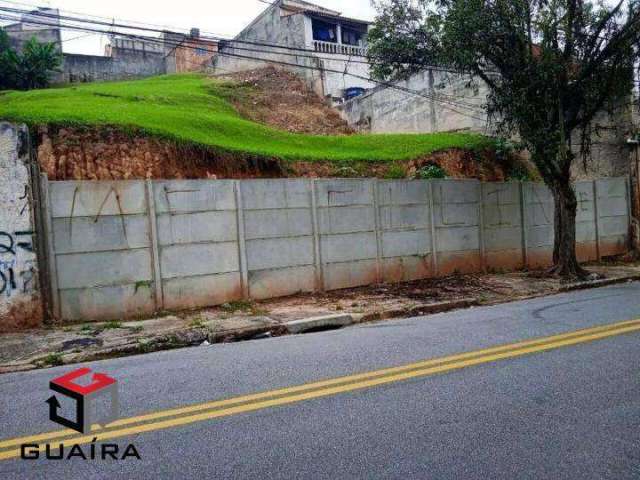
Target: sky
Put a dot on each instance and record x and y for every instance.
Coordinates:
(220, 17)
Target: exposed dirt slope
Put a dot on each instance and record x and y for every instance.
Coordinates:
(282, 100)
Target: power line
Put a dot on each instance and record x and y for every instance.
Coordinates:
(223, 41)
(110, 19)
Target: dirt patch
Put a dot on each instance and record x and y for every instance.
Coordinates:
(22, 315)
(282, 100)
(111, 154)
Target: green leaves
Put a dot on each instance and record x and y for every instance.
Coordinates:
(30, 68)
(550, 66)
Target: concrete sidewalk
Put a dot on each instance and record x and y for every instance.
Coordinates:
(58, 345)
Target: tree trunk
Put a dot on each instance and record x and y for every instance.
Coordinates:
(564, 250)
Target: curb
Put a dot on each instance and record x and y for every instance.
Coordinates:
(428, 309)
(314, 323)
(572, 287)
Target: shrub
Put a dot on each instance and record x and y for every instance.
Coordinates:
(431, 171)
(30, 68)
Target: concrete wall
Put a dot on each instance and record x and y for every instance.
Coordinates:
(18, 37)
(20, 302)
(394, 110)
(123, 65)
(123, 249)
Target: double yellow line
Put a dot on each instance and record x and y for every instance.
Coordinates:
(222, 408)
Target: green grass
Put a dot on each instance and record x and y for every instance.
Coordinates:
(53, 360)
(195, 109)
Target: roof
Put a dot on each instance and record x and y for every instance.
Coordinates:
(302, 6)
(336, 18)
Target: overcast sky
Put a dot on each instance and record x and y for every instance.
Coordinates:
(222, 17)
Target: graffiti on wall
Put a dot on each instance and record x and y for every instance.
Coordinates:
(16, 276)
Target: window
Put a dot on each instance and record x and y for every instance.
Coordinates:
(324, 31)
(202, 52)
(352, 36)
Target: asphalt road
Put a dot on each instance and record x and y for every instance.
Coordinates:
(563, 408)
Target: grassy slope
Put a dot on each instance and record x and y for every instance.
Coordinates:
(192, 108)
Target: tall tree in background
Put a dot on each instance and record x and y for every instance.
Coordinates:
(8, 61)
(31, 68)
(550, 65)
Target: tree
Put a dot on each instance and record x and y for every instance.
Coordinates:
(36, 63)
(8, 62)
(30, 68)
(550, 65)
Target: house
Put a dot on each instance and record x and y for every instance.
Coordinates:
(188, 53)
(125, 56)
(23, 31)
(322, 46)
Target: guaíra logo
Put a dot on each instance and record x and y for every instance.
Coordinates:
(84, 397)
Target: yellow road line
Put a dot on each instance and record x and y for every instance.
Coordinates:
(326, 388)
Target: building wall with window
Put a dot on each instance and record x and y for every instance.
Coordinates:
(314, 42)
(189, 53)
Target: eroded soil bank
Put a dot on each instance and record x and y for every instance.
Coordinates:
(83, 153)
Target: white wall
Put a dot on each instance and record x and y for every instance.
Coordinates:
(19, 293)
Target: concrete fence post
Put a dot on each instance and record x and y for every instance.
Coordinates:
(317, 250)
(434, 238)
(50, 249)
(154, 244)
(377, 222)
(481, 241)
(242, 246)
(629, 196)
(524, 222)
(596, 214)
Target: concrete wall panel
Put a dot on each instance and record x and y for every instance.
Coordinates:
(458, 239)
(86, 234)
(197, 228)
(101, 269)
(350, 247)
(278, 283)
(346, 220)
(201, 291)
(107, 303)
(93, 199)
(198, 259)
(402, 192)
(344, 193)
(276, 194)
(190, 196)
(350, 274)
(404, 217)
(406, 243)
(277, 223)
(279, 253)
(406, 269)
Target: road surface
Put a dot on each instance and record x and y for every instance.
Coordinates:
(545, 388)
